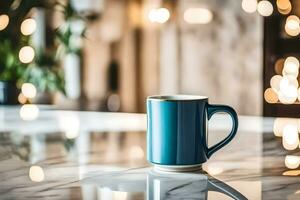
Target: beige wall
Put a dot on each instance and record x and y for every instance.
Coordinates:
(222, 59)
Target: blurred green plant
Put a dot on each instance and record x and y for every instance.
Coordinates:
(11, 41)
(69, 35)
(11, 68)
(44, 72)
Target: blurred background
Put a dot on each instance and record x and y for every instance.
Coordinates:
(109, 55)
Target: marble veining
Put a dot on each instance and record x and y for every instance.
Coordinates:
(97, 161)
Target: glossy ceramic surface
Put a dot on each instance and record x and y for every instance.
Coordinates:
(177, 129)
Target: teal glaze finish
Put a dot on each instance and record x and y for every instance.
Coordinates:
(177, 130)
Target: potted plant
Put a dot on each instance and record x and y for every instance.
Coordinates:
(11, 71)
(45, 74)
(69, 39)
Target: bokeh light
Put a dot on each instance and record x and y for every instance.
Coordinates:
(36, 173)
(70, 124)
(22, 99)
(275, 82)
(288, 87)
(29, 112)
(159, 15)
(291, 173)
(291, 66)
(288, 95)
(270, 96)
(292, 162)
(279, 66)
(4, 20)
(198, 16)
(26, 54)
(28, 90)
(284, 84)
(265, 8)
(28, 26)
(282, 123)
(292, 26)
(284, 6)
(249, 6)
(278, 126)
(290, 138)
(292, 81)
(285, 12)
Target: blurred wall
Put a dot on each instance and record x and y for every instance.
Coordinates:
(222, 59)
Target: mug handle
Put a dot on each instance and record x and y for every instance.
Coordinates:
(211, 110)
(219, 186)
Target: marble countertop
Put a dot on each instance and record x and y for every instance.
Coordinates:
(54, 154)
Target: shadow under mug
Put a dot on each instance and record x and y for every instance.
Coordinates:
(177, 131)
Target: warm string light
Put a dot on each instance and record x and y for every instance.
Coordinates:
(265, 8)
(190, 16)
(22, 99)
(287, 93)
(28, 26)
(271, 96)
(284, 86)
(284, 6)
(291, 67)
(197, 16)
(28, 90)
(275, 83)
(292, 26)
(26, 54)
(4, 20)
(159, 15)
(249, 6)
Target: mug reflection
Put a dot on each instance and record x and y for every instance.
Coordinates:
(146, 183)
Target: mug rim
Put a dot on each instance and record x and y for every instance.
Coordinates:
(177, 97)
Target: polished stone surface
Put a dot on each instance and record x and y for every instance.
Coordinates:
(86, 155)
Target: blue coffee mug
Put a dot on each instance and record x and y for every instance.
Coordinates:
(177, 131)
